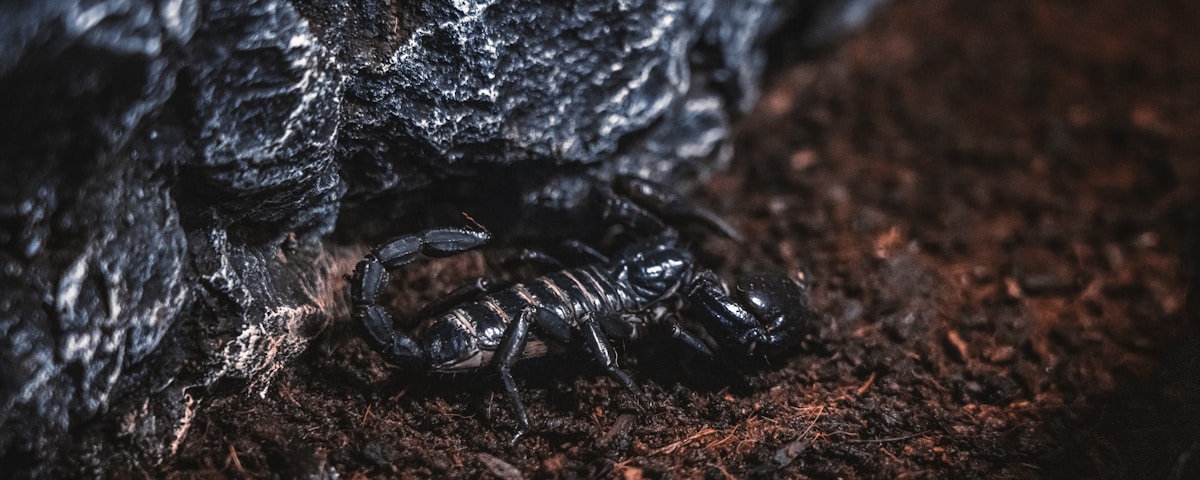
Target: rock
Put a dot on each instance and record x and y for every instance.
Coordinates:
(173, 169)
(93, 249)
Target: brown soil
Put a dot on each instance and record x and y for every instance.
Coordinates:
(991, 200)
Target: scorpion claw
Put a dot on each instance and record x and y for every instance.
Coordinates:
(766, 313)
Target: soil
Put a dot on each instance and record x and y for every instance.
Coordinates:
(991, 201)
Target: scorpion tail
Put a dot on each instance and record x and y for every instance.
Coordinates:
(396, 347)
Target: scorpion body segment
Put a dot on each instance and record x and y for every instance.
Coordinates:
(650, 282)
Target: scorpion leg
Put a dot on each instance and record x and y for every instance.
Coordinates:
(479, 287)
(570, 253)
(769, 311)
(529, 263)
(509, 351)
(679, 333)
(670, 205)
(513, 344)
(604, 354)
(580, 253)
(620, 210)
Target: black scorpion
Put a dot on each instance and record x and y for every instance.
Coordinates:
(597, 299)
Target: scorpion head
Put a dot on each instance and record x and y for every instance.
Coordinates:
(657, 272)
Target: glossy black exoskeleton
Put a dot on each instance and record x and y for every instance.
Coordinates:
(589, 300)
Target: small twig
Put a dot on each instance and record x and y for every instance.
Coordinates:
(474, 223)
(674, 446)
(720, 442)
(883, 440)
(1042, 408)
(890, 454)
(820, 411)
(866, 385)
(287, 393)
(365, 414)
(233, 457)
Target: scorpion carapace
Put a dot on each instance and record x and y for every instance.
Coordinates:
(589, 300)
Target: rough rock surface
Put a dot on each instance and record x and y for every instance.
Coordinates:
(171, 168)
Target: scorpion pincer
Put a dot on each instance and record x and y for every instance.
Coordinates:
(648, 283)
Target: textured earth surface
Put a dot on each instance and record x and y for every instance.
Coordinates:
(992, 201)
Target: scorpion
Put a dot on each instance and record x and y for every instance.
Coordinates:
(588, 301)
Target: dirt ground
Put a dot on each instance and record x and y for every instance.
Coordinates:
(991, 200)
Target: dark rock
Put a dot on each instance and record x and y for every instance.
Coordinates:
(92, 248)
(173, 166)
(261, 99)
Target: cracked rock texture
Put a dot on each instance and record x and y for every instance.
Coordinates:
(173, 170)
